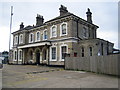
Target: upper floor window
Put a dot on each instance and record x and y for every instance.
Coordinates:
(16, 40)
(54, 31)
(21, 38)
(37, 36)
(31, 37)
(63, 29)
(85, 32)
(45, 35)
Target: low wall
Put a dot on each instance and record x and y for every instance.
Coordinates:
(99, 64)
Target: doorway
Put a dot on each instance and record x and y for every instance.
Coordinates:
(38, 57)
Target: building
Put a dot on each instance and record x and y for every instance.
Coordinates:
(49, 42)
(4, 57)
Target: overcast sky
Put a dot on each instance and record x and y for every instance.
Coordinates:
(104, 14)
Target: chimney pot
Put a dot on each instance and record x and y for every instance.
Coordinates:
(89, 16)
(63, 10)
(39, 20)
(21, 25)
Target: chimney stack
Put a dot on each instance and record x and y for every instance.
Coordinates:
(63, 10)
(39, 20)
(21, 25)
(89, 16)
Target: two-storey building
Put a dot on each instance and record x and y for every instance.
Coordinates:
(49, 42)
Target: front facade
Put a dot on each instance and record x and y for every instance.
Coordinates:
(48, 43)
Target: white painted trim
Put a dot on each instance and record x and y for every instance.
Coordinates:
(30, 38)
(15, 41)
(64, 38)
(61, 53)
(19, 55)
(43, 34)
(51, 31)
(51, 53)
(14, 55)
(20, 42)
(61, 29)
(34, 45)
(36, 36)
(85, 30)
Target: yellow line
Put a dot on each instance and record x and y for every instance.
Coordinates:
(26, 81)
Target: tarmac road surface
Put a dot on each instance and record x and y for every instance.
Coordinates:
(28, 76)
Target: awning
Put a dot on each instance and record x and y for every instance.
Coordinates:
(34, 45)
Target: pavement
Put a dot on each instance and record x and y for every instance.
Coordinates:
(31, 76)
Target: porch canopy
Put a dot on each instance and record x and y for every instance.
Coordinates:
(34, 45)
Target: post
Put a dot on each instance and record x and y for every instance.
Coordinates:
(10, 31)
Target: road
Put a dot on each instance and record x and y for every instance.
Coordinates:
(28, 76)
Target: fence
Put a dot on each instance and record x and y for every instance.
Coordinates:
(99, 64)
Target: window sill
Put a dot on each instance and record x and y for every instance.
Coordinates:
(53, 60)
(62, 60)
(63, 35)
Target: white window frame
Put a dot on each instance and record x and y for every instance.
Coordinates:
(51, 36)
(44, 33)
(30, 38)
(19, 55)
(51, 53)
(20, 41)
(39, 36)
(61, 29)
(61, 51)
(14, 55)
(16, 40)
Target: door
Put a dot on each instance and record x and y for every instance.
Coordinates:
(37, 58)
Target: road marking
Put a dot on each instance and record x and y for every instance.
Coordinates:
(26, 81)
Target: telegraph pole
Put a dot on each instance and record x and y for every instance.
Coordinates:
(10, 29)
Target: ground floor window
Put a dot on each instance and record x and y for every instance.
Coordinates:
(82, 52)
(63, 51)
(20, 55)
(15, 55)
(53, 49)
(90, 51)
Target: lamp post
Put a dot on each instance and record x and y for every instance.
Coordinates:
(10, 30)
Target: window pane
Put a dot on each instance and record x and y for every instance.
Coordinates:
(31, 37)
(15, 55)
(53, 31)
(45, 34)
(20, 38)
(82, 52)
(90, 51)
(54, 53)
(16, 39)
(63, 51)
(38, 35)
(20, 55)
(64, 29)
